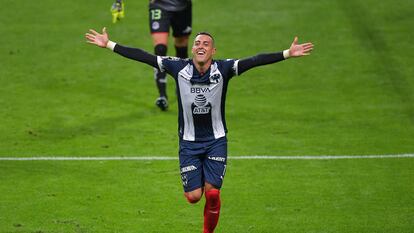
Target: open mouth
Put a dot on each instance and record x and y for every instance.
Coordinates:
(201, 52)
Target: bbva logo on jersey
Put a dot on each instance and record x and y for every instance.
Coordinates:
(199, 90)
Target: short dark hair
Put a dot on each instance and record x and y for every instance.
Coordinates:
(206, 34)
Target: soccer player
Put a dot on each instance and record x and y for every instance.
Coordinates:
(201, 84)
(164, 14)
(117, 10)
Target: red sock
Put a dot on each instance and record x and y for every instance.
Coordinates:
(211, 210)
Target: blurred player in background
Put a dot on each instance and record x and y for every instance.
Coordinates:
(117, 10)
(201, 93)
(164, 14)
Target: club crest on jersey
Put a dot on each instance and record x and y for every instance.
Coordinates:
(215, 78)
(200, 105)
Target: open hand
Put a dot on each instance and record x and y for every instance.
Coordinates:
(96, 38)
(298, 50)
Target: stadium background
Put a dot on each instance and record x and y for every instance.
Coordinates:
(353, 96)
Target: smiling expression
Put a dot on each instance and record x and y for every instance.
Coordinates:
(203, 49)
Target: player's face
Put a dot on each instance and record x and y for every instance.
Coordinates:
(203, 49)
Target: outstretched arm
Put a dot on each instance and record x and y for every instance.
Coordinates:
(295, 50)
(298, 50)
(96, 38)
(102, 40)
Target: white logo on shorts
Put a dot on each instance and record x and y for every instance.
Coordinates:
(184, 179)
(187, 30)
(155, 25)
(188, 168)
(219, 159)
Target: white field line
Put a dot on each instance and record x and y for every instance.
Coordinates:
(251, 157)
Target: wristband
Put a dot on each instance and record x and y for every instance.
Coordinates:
(286, 54)
(110, 45)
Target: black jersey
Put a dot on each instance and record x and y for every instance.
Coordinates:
(170, 5)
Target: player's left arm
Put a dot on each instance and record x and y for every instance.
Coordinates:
(102, 40)
(295, 50)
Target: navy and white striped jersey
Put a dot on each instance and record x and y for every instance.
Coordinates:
(201, 98)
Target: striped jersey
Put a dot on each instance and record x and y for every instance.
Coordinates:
(201, 97)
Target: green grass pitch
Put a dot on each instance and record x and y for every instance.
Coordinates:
(353, 96)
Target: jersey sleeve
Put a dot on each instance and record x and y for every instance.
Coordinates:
(136, 54)
(246, 64)
(171, 65)
(229, 68)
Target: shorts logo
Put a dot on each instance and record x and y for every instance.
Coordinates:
(200, 105)
(184, 179)
(187, 30)
(155, 25)
(215, 158)
(188, 168)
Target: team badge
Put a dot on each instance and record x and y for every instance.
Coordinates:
(215, 78)
(155, 25)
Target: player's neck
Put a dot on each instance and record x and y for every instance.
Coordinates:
(202, 67)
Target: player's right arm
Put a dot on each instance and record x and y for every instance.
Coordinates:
(102, 40)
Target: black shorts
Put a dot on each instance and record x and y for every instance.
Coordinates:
(160, 21)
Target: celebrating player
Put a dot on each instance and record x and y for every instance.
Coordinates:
(201, 92)
(164, 14)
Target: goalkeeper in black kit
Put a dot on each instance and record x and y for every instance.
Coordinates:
(201, 84)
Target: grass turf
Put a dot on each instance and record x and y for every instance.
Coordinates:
(361, 195)
(61, 96)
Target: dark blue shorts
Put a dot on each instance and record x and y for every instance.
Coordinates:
(203, 162)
